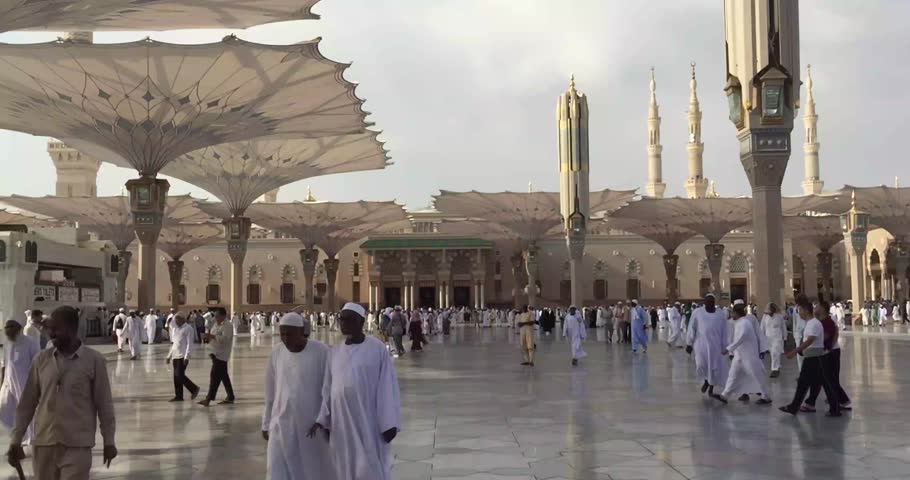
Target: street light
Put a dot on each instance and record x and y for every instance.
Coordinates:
(762, 87)
(855, 226)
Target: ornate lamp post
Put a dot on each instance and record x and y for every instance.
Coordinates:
(763, 83)
(148, 197)
(855, 225)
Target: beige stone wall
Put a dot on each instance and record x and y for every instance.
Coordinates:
(614, 258)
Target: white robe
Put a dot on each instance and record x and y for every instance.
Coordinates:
(775, 331)
(676, 338)
(17, 359)
(360, 401)
(747, 372)
(32, 331)
(708, 336)
(662, 317)
(293, 397)
(486, 318)
(573, 328)
(151, 326)
(133, 330)
(799, 326)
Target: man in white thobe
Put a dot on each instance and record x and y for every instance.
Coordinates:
(573, 328)
(18, 353)
(151, 326)
(119, 324)
(676, 337)
(775, 330)
(32, 329)
(133, 330)
(293, 397)
(747, 372)
(361, 405)
(662, 317)
(707, 337)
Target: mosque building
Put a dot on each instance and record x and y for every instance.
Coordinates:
(431, 267)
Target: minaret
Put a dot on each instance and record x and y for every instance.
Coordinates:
(697, 184)
(812, 183)
(572, 125)
(77, 173)
(655, 187)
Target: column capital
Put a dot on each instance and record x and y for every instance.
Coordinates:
(237, 234)
(764, 153)
(148, 198)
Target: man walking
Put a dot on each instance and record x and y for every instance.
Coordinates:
(361, 403)
(221, 338)
(574, 330)
(183, 336)
(67, 390)
(18, 354)
(397, 326)
(526, 339)
(294, 383)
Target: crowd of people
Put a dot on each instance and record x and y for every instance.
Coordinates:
(312, 389)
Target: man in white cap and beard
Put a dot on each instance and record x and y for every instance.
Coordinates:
(361, 404)
(293, 397)
(119, 326)
(707, 337)
(19, 351)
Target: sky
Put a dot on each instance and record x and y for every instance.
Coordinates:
(465, 93)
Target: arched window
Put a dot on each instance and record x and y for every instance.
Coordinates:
(115, 263)
(31, 252)
(213, 289)
(601, 291)
(356, 269)
(288, 275)
(2, 251)
(739, 264)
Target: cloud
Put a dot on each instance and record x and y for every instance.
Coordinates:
(465, 91)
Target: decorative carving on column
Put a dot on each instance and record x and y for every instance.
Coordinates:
(308, 258)
(237, 235)
(331, 275)
(175, 272)
(715, 254)
(124, 258)
(147, 200)
(671, 264)
(855, 225)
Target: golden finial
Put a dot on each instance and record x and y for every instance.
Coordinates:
(853, 199)
(530, 187)
(653, 81)
(692, 64)
(897, 182)
(309, 196)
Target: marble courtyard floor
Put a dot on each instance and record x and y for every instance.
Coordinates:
(472, 413)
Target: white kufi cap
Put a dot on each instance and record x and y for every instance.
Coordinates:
(292, 320)
(738, 301)
(356, 308)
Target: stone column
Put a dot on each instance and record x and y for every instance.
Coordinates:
(308, 257)
(762, 85)
(237, 234)
(825, 270)
(124, 257)
(575, 241)
(370, 297)
(901, 262)
(331, 275)
(175, 272)
(857, 279)
(448, 298)
(531, 264)
(671, 262)
(483, 294)
(148, 197)
(519, 277)
(715, 255)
